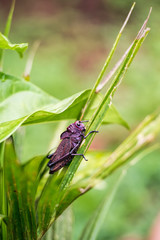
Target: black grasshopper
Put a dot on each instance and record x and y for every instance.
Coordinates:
(68, 147)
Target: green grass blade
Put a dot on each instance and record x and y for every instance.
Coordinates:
(21, 218)
(143, 135)
(7, 30)
(9, 19)
(100, 76)
(3, 199)
(93, 226)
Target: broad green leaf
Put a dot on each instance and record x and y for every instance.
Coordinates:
(19, 98)
(6, 44)
(21, 218)
(22, 103)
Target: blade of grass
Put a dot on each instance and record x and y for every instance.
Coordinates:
(142, 136)
(111, 73)
(3, 199)
(93, 226)
(21, 217)
(6, 31)
(9, 19)
(100, 76)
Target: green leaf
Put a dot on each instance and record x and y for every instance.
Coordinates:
(21, 218)
(35, 169)
(19, 98)
(6, 44)
(22, 103)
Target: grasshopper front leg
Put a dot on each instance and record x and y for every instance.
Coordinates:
(90, 133)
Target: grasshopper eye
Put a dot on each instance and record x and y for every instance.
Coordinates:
(78, 124)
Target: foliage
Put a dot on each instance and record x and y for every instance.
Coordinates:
(32, 200)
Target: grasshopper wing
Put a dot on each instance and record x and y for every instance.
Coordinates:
(61, 156)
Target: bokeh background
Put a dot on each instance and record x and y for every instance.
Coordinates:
(75, 38)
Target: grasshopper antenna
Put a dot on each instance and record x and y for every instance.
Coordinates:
(84, 121)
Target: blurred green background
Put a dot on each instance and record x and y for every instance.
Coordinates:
(75, 38)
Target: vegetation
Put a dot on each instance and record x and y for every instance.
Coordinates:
(33, 203)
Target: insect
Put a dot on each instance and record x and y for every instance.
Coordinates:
(68, 147)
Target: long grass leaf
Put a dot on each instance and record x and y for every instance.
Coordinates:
(21, 218)
(100, 76)
(7, 30)
(3, 199)
(93, 226)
